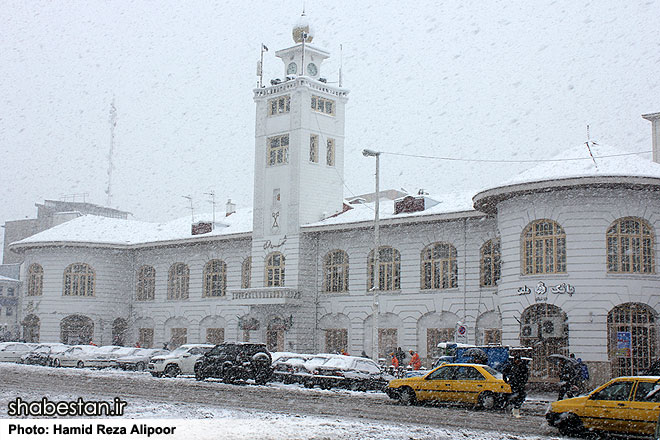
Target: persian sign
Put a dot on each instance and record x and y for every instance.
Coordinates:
(541, 290)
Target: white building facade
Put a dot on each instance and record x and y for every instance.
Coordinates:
(563, 262)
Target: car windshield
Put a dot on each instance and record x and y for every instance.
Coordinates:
(222, 349)
(316, 361)
(43, 349)
(180, 350)
(108, 349)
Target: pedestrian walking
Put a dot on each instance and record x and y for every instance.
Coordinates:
(395, 361)
(415, 361)
(400, 355)
(569, 377)
(516, 374)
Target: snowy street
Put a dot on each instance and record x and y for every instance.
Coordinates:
(284, 411)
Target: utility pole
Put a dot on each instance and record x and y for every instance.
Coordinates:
(376, 286)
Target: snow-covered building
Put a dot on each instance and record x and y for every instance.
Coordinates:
(562, 258)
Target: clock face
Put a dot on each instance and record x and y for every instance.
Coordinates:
(291, 69)
(312, 70)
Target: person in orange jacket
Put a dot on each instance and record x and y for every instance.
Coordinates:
(395, 361)
(415, 361)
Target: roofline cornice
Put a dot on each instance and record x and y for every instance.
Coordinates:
(486, 201)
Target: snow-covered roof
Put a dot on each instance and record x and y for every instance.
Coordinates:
(8, 279)
(113, 231)
(449, 203)
(575, 167)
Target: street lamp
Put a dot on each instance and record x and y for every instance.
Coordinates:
(376, 286)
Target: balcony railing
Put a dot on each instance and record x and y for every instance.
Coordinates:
(267, 295)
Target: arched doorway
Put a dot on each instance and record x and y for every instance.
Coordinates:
(632, 337)
(31, 325)
(543, 327)
(277, 326)
(76, 329)
(119, 327)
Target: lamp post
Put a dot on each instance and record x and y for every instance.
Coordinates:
(376, 274)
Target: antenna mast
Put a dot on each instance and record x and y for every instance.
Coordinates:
(341, 62)
(113, 124)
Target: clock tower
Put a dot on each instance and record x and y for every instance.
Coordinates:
(299, 160)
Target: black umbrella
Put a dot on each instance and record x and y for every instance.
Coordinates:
(477, 355)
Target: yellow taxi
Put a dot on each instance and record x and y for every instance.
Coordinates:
(625, 405)
(474, 384)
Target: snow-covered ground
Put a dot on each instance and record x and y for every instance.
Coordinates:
(195, 421)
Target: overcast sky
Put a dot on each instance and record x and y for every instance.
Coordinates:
(494, 79)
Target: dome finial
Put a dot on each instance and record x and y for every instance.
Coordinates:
(302, 27)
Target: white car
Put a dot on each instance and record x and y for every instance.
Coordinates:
(285, 365)
(106, 356)
(13, 351)
(75, 356)
(139, 359)
(180, 361)
(352, 372)
(41, 354)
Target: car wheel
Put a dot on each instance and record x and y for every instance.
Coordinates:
(80, 364)
(309, 384)
(171, 370)
(199, 375)
(407, 396)
(139, 366)
(154, 374)
(56, 363)
(487, 400)
(570, 425)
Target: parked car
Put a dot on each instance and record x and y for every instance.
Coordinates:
(139, 359)
(74, 356)
(473, 384)
(304, 373)
(12, 351)
(356, 373)
(285, 365)
(236, 361)
(105, 356)
(624, 406)
(42, 354)
(179, 361)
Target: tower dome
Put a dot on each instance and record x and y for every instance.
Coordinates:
(302, 26)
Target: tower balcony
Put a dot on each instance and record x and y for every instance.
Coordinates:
(300, 81)
(267, 295)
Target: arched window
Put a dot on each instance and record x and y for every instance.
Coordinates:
(79, 280)
(275, 270)
(35, 282)
(76, 329)
(335, 269)
(544, 248)
(490, 263)
(632, 336)
(630, 246)
(146, 284)
(177, 285)
(246, 273)
(215, 278)
(389, 263)
(544, 328)
(439, 269)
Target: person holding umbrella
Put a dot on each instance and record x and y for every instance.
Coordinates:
(516, 374)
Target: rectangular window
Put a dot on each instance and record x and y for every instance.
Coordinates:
(278, 150)
(10, 291)
(146, 337)
(215, 335)
(330, 153)
(179, 337)
(314, 148)
(323, 105)
(278, 106)
(336, 340)
(10, 311)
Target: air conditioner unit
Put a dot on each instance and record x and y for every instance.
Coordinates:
(529, 331)
(553, 327)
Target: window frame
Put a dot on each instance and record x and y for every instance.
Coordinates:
(330, 152)
(392, 269)
(81, 283)
(278, 154)
(335, 273)
(35, 282)
(215, 268)
(319, 104)
(490, 256)
(246, 272)
(436, 277)
(314, 148)
(145, 290)
(279, 105)
(615, 249)
(274, 275)
(534, 256)
(178, 284)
